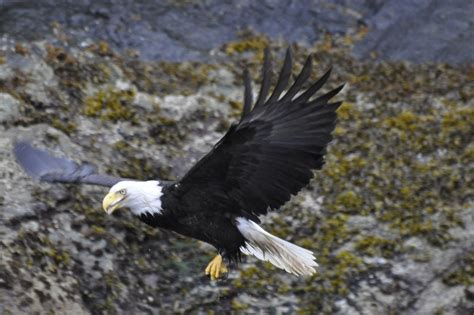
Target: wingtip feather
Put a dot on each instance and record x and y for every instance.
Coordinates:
(283, 78)
(300, 80)
(314, 88)
(266, 78)
(247, 94)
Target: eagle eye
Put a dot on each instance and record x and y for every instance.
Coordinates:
(122, 191)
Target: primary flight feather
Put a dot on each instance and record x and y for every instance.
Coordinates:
(263, 159)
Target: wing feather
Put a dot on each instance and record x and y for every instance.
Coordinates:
(283, 79)
(300, 80)
(323, 99)
(314, 88)
(247, 94)
(271, 153)
(267, 78)
(45, 167)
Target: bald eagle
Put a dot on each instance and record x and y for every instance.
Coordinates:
(263, 159)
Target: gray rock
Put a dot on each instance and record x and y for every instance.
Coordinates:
(9, 108)
(61, 253)
(469, 291)
(420, 31)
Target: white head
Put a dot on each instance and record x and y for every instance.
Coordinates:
(139, 196)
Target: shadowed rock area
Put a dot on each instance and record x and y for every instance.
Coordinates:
(419, 31)
(143, 90)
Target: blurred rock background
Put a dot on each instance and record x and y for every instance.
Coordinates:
(144, 88)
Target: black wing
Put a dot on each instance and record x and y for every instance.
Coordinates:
(45, 167)
(270, 154)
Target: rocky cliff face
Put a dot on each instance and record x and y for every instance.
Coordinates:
(390, 217)
(420, 31)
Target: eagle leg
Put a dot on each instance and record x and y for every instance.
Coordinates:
(216, 268)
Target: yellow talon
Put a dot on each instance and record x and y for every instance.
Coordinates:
(216, 268)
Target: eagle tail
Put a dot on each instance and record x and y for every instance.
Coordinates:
(282, 254)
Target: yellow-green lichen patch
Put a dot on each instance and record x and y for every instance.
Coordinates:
(398, 159)
(39, 252)
(239, 306)
(248, 42)
(327, 234)
(393, 168)
(397, 170)
(236, 108)
(346, 266)
(253, 273)
(101, 48)
(348, 201)
(334, 280)
(373, 245)
(333, 232)
(165, 78)
(463, 273)
(134, 165)
(66, 127)
(347, 111)
(112, 288)
(111, 105)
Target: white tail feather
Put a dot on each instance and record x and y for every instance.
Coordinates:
(280, 253)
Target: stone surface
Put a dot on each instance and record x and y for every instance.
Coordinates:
(390, 217)
(420, 31)
(9, 108)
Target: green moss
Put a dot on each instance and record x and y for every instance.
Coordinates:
(111, 105)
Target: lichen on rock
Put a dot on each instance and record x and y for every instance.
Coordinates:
(389, 217)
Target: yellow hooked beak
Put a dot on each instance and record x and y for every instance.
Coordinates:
(112, 201)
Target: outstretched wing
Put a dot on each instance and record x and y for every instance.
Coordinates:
(45, 167)
(270, 153)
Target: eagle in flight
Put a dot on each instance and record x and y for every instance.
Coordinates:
(263, 159)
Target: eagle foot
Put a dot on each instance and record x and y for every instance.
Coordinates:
(216, 268)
